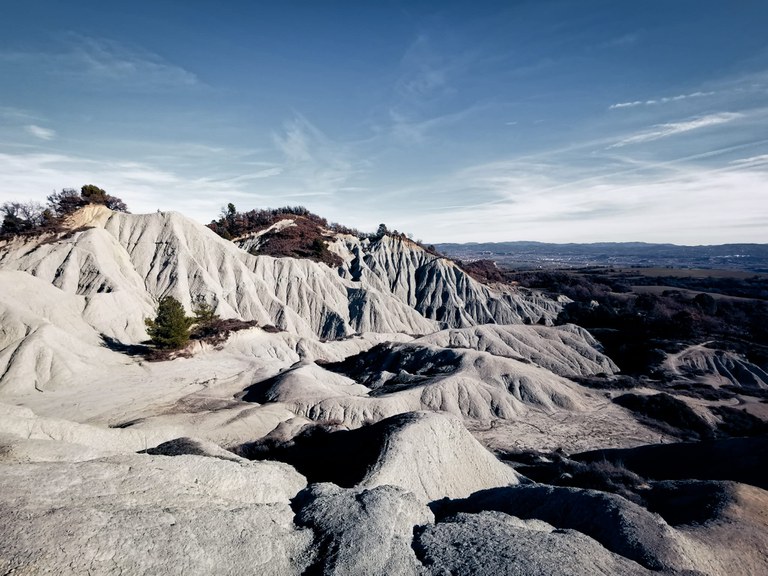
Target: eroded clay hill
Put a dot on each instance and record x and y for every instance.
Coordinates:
(331, 437)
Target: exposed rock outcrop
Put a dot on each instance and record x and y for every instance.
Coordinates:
(568, 351)
(124, 262)
(492, 544)
(44, 341)
(716, 367)
(466, 383)
(144, 514)
(616, 523)
(431, 455)
(437, 287)
(362, 531)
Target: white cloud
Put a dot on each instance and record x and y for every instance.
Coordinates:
(100, 60)
(627, 104)
(266, 173)
(314, 162)
(424, 71)
(111, 60)
(144, 187)
(655, 101)
(17, 114)
(414, 132)
(622, 41)
(760, 160)
(294, 142)
(673, 128)
(691, 200)
(691, 206)
(40, 132)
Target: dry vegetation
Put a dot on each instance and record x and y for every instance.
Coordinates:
(637, 329)
(33, 218)
(483, 271)
(307, 237)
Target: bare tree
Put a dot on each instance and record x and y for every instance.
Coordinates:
(20, 217)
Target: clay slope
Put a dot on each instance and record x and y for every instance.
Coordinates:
(716, 367)
(568, 351)
(415, 494)
(485, 385)
(122, 264)
(431, 455)
(393, 378)
(44, 342)
(139, 514)
(436, 286)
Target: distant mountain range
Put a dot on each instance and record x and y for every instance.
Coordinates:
(747, 257)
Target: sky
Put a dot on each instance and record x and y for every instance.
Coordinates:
(554, 121)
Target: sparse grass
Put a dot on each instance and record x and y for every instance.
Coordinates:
(738, 422)
(218, 331)
(483, 270)
(164, 355)
(668, 411)
(558, 470)
(305, 239)
(605, 476)
(618, 382)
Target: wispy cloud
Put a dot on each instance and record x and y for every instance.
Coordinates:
(686, 203)
(294, 141)
(621, 41)
(40, 132)
(425, 72)
(103, 60)
(109, 59)
(266, 173)
(424, 82)
(414, 132)
(674, 128)
(663, 100)
(422, 100)
(314, 162)
(30, 176)
(752, 161)
(10, 113)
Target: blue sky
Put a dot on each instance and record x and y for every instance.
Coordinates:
(543, 120)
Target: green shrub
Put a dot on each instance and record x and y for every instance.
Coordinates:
(170, 328)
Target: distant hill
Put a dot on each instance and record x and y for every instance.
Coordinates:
(746, 257)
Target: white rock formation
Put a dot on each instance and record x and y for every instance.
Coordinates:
(568, 351)
(45, 343)
(124, 263)
(716, 367)
(430, 455)
(410, 377)
(369, 531)
(141, 514)
(433, 456)
(436, 286)
(76, 498)
(18, 423)
(489, 544)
